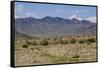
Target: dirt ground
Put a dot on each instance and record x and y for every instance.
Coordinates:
(53, 54)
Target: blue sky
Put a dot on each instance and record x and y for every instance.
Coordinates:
(23, 9)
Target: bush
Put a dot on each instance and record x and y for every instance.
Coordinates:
(88, 43)
(81, 41)
(31, 42)
(34, 43)
(55, 39)
(73, 41)
(76, 56)
(64, 42)
(91, 40)
(28, 42)
(54, 42)
(44, 43)
(25, 46)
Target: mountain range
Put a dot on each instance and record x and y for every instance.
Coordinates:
(53, 26)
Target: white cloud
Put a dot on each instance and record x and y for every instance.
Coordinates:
(92, 19)
(75, 16)
(29, 14)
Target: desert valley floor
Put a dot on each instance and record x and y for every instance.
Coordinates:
(38, 51)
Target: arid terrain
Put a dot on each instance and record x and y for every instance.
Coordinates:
(53, 34)
(66, 49)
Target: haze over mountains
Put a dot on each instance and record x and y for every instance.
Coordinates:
(54, 26)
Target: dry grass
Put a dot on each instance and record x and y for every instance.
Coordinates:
(67, 49)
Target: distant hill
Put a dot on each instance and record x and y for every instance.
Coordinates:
(53, 26)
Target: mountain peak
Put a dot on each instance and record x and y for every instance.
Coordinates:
(47, 17)
(75, 17)
(75, 21)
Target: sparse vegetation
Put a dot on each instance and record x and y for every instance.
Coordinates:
(91, 40)
(34, 51)
(25, 46)
(72, 41)
(64, 42)
(44, 42)
(82, 41)
(34, 43)
(88, 43)
(76, 56)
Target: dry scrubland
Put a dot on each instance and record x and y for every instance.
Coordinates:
(67, 49)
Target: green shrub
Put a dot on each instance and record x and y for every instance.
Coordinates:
(32, 48)
(88, 43)
(91, 40)
(64, 42)
(28, 43)
(54, 43)
(35, 61)
(34, 43)
(55, 39)
(25, 46)
(44, 43)
(72, 41)
(76, 56)
(81, 41)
